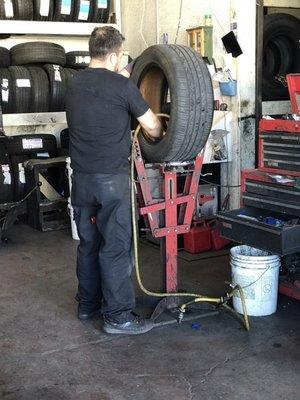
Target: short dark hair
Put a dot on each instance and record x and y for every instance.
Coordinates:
(105, 40)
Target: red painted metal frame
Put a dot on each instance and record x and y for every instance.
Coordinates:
(175, 223)
(290, 289)
(293, 81)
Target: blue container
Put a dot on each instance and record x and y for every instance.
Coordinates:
(228, 88)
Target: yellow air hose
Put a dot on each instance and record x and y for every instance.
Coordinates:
(222, 301)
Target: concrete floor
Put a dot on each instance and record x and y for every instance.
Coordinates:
(46, 353)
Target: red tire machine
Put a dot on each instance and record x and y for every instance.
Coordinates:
(270, 219)
(165, 221)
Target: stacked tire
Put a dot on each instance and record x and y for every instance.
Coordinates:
(56, 10)
(14, 151)
(281, 54)
(34, 76)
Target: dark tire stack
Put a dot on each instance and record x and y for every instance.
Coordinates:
(281, 54)
(37, 79)
(178, 73)
(23, 147)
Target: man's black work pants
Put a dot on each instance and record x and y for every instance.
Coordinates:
(103, 217)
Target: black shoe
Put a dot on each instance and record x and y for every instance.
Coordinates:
(135, 326)
(84, 314)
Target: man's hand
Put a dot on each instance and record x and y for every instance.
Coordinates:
(151, 124)
(128, 69)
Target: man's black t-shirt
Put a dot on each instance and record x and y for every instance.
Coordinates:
(99, 105)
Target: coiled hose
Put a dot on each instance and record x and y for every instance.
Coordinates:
(221, 301)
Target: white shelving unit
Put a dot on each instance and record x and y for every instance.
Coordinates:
(34, 119)
(61, 33)
(49, 28)
(282, 3)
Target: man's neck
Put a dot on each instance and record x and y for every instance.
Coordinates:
(95, 63)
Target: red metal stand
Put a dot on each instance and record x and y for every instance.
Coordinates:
(177, 208)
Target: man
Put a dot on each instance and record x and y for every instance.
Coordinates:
(99, 106)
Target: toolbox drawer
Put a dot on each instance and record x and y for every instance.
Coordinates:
(242, 229)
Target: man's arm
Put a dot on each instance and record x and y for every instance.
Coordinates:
(151, 124)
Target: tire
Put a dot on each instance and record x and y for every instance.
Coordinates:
(38, 52)
(78, 59)
(40, 89)
(58, 9)
(6, 90)
(21, 89)
(101, 14)
(83, 13)
(6, 181)
(40, 143)
(23, 9)
(4, 57)
(23, 147)
(41, 6)
(181, 72)
(58, 85)
(65, 142)
(281, 53)
(6, 10)
(69, 73)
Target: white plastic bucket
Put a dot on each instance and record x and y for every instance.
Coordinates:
(257, 272)
(73, 224)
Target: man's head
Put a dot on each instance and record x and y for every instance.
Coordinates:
(106, 46)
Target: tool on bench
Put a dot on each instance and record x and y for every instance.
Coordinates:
(162, 218)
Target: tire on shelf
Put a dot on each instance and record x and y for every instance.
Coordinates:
(176, 77)
(65, 142)
(83, 10)
(23, 147)
(58, 85)
(6, 10)
(101, 14)
(6, 90)
(63, 10)
(281, 53)
(40, 89)
(21, 89)
(78, 59)
(23, 10)
(31, 144)
(6, 181)
(43, 10)
(4, 57)
(38, 52)
(69, 73)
